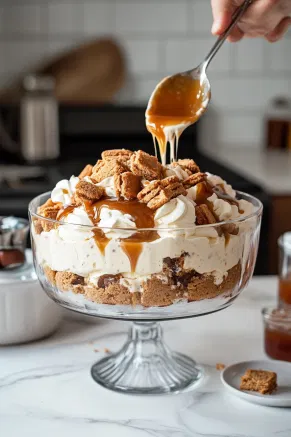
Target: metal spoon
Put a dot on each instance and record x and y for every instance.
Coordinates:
(174, 84)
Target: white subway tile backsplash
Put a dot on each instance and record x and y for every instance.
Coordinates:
(144, 88)
(142, 55)
(22, 18)
(200, 18)
(279, 56)
(159, 37)
(247, 93)
(240, 129)
(65, 18)
(3, 66)
(158, 17)
(249, 55)
(138, 89)
(59, 46)
(99, 17)
(24, 56)
(183, 54)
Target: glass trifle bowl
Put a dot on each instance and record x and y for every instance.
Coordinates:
(144, 274)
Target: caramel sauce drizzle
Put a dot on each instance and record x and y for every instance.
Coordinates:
(64, 212)
(176, 104)
(142, 215)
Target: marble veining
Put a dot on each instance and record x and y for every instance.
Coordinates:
(46, 388)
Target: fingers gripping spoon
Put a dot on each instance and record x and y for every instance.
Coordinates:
(180, 100)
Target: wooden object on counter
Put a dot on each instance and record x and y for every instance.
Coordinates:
(90, 73)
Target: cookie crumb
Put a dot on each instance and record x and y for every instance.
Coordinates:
(262, 381)
(220, 366)
(204, 216)
(87, 171)
(145, 165)
(85, 191)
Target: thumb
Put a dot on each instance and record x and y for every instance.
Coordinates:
(222, 11)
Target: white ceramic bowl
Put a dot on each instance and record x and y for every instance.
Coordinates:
(26, 313)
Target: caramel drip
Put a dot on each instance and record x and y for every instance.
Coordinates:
(100, 239)
(177, 103)
(132, 246)
(221, 194)
(142, 215)
(227, 238)
(133, 251)
(204, 190)
(64, 212)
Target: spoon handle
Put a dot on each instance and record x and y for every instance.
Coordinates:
(236, 16)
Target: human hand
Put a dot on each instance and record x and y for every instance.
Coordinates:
(264, 18)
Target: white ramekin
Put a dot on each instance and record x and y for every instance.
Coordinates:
(26, 313)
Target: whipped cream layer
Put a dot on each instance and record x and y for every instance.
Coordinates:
(83, 257)
(72, 246)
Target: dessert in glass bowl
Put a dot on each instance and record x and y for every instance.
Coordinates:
(131, 238)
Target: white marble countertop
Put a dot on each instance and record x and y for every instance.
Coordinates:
(269, 169)
(46, 388)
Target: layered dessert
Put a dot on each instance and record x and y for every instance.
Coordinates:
(131, 231)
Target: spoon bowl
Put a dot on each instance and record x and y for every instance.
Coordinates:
(180, 100)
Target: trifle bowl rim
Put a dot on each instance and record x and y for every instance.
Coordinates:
(242, 219)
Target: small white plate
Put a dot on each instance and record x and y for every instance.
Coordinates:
(230, 378)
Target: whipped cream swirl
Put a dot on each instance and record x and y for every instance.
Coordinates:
(75, 226)
(64, 190)
(176, 170)
(217, 180)
(178, 213)
(108, 185)
(111, 220)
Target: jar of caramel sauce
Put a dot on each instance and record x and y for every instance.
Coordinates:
(284, 295)
(277, 333)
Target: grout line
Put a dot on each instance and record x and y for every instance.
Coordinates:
(232, 57)
(189, 16)
(266, 58)
(162, 57)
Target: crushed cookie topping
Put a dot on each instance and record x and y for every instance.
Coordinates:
(144, 165)
(157, 193)
(48, 210)
(187, 164)
(85, 191)
(204, 216)
(116, 154)
(137, 176)
(86, 172)
(194, 179)
(127, 185)
(105, 169)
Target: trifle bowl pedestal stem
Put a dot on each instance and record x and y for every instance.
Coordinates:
(145, 365)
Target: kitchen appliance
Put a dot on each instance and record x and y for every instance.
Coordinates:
(39, 119)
